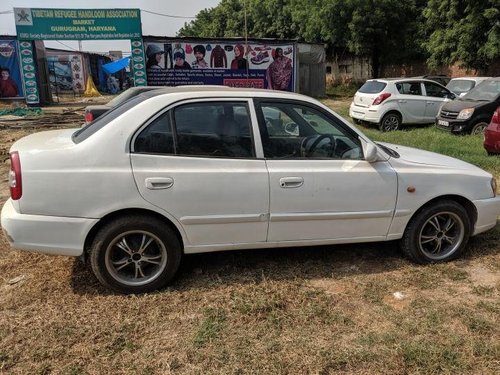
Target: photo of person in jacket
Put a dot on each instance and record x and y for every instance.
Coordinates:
(154, 54)
(239, 61)
(218, 58)
(8, 87)
(199, 54)
(180, 59)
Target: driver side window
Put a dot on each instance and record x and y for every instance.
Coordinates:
(295, 131)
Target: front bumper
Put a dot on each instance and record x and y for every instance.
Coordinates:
(488, 211)
(454, 126)
(45, 234)
(367, 114)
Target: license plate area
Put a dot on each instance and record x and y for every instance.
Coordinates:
(443, 123)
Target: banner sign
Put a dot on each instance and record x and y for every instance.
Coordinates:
(138, 62)
(29, 72)
(11, 84)
(77, 24)
(66, 73)
(230, 63)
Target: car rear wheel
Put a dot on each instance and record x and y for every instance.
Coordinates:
(479, 128)
(438, 233)
(390, 122)
(136, 254)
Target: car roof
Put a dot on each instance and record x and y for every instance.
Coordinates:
(471, 78)
(405, 79)
(220, 90)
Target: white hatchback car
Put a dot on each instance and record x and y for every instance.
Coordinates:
(391, 102)
(461, 86)
(191, 170)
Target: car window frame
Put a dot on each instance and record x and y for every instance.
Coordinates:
(171, 107)
(448, 92)
(420, 83)
(261, 125)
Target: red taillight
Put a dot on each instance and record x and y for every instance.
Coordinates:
(15, 181)
(495, 120)
(379, 99)
(89, 117)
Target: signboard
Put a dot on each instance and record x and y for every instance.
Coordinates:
(61, 24)
(138, 62)
(10, 75)
(230, 63)
(29, 72)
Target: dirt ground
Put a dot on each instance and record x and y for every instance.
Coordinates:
(352, 309)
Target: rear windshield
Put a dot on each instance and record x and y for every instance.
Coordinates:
(487, 90)
(460, 85)
(372, 87)
(85, 132)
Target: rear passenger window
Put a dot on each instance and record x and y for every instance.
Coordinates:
(409, 88)
(216, 129)
(157, 137)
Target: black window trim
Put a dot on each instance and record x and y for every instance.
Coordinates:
(171, 107)
(261, 122)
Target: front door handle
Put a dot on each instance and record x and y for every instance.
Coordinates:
(430, 103)
(291, 182)
(401, 101)
(158, 183)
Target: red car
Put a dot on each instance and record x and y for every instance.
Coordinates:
(492, 134)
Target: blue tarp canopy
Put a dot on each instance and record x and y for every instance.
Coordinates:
(116, 66)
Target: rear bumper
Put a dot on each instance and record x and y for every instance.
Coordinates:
(45, 234)
(491, 141)
(368, 114)
(488, 211)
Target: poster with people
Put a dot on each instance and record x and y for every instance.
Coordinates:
(11, 86)
(229, 63)
(66, 72)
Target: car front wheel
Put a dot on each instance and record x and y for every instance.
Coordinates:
(390, 122)
(479, 128)
(437, 233)
(135, 254)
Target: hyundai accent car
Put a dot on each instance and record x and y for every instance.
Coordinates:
(192, 170)
(392, 102)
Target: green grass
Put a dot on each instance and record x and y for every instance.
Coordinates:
(467, 148)
(346, 90)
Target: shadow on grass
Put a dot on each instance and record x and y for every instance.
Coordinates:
(211, 270)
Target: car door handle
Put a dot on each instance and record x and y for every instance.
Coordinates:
(431, 103)
(401, 101)
(158, 183)
(291, 182)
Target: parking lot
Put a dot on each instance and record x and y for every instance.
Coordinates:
(319, 310)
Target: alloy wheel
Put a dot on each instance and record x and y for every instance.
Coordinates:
(441, 235)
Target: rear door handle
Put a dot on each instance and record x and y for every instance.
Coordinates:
(158, 183)
(401, 101)
(291, 182)
(432, 103)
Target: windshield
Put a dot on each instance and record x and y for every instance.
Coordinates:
(486, 91)
(459, 86)
(372, 87)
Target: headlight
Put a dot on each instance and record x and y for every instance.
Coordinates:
(465, 114)
(494, 186)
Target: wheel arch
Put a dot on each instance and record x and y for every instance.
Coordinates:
(395, 111)
(464, 202)
(128, 212)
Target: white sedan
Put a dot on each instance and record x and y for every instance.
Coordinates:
(190, 169)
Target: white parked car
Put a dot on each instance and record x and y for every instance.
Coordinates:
(461, 86)
(391, 102)
(190, 170)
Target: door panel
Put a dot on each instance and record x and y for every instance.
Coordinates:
(337, 199)
(411, 101)
(197, 162)
(435, 95)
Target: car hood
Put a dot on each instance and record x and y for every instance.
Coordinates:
(458, 104)
(417, 156)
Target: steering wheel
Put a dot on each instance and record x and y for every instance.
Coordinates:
(315, 144)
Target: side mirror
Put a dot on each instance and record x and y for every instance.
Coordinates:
(370, 151)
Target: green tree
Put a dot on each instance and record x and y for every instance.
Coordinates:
(463, 31)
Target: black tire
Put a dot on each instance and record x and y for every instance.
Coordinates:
(444, 223)
(478, 129)
(136, 254)
(356, 121)
(390, 122)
